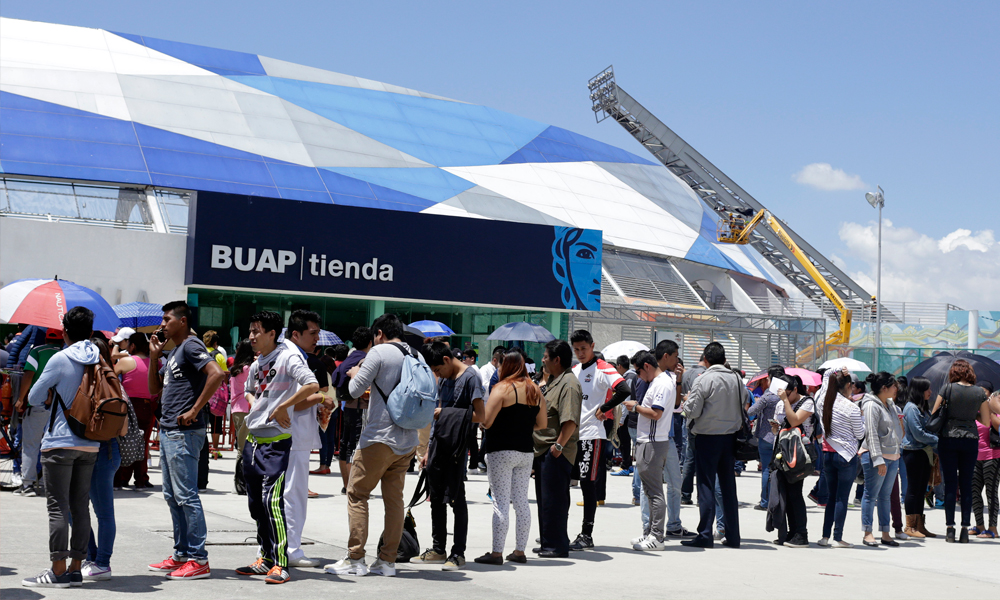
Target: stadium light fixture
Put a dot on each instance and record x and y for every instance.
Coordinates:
(877, 200)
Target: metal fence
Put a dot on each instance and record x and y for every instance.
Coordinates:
(752, 341)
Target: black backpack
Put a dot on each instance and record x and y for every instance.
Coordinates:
(409, 545)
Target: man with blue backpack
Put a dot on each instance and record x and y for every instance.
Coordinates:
(403, 399)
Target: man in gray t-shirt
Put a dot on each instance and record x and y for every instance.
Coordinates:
(383, 454)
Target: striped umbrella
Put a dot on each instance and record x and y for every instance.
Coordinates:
(43, 302)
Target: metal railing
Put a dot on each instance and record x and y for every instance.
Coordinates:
(918, 313)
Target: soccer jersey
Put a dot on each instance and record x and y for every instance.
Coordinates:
(38, 358)
(596, 381)
(660, 396)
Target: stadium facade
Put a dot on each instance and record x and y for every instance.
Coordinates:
(141, 167)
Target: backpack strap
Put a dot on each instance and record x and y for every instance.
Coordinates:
(385, 397)
(52, 417)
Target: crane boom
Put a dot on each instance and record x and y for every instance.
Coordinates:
(717, 190)
(733, 230)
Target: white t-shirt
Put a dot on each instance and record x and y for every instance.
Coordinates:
(660, 396)
(596, 381)
(486, 373)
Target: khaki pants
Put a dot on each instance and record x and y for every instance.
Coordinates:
(374, 464)
(424, 439)
(239, 425)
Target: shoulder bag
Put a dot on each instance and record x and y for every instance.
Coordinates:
(935, 424)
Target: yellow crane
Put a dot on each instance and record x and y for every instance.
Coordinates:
(737, 227)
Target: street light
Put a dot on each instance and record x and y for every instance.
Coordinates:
(877, 200)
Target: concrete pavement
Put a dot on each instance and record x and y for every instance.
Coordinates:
(929, 569)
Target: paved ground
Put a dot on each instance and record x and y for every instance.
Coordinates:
(930, 569)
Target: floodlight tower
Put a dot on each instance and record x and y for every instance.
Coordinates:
(877, 200)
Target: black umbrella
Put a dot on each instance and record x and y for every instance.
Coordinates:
(936, 369)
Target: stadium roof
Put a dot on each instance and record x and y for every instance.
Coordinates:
(90, 104)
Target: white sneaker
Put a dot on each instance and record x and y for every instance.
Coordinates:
(824, 542)
(385, 569)
(650, 544)
(348, 566)
(92, 572)
(843, 544)
(720, 535)
(16, 480)
(303, 561)
(901, 536)
(638, 540)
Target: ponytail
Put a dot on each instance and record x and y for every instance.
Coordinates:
(837, 382)
(880, 381)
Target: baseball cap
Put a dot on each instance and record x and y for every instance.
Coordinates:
(53, 334)
(123, 334)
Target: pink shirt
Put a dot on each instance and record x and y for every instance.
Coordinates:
(237, 385)
(985, 452)
(136, 382)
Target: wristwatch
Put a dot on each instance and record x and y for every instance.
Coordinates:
(558, 446)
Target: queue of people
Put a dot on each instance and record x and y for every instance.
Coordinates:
(557, 425)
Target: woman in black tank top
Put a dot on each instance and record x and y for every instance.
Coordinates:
(514, 410)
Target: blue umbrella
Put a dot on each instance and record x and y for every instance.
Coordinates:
(139, 314)
(523, 332)
(432, 328)
(326, 338)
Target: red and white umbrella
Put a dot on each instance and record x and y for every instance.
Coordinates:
(44, 302)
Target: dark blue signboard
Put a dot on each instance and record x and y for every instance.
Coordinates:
(287, 245)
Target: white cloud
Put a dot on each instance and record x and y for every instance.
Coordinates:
(980, 242)
(961, 268)
(823, 176)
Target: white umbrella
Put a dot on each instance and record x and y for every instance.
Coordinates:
(626, 347)
(854, 366)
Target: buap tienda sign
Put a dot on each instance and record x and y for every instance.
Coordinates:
(288, 245)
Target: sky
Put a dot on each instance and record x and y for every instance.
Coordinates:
(805, 105)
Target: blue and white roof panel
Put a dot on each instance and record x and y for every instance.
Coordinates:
(89, 104)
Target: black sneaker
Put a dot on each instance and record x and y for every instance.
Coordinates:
(797, 541)
(582, 542)
(686, 502)
(76, 579)
(681, 533)
(48, 579)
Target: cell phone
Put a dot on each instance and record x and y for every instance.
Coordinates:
(161, 335)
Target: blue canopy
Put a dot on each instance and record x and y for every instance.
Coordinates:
(139, 314)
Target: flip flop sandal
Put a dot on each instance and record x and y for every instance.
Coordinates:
(986, 534)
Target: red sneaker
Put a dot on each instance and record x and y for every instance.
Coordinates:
(192, 569)
(320, 471)
(168, 566)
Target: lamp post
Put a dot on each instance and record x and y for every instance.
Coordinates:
(877, 200)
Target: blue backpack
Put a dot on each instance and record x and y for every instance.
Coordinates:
(412, 402)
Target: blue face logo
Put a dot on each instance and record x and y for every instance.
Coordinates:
(576, 264)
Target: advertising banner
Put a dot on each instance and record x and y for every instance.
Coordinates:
(287, 245)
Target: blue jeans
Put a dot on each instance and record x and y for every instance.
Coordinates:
(328, 441)
(878, 491)
(678, 433)
(671, 477)
(179, 463)
(821, 489)
(102, 496)
(840, 476)
(766, 450)
(687, 467)
(636, 483)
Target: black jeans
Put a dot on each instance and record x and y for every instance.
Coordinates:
(625, 447)
(552, 477)
(795, 509)
(918, 474)
(715, 459)
(67, 491)
(203, 467)
(593, 479)
(439, 521)
(958, 465)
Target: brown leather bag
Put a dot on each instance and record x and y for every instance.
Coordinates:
(99, 410)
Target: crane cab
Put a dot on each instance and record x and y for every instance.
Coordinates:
(732, 227)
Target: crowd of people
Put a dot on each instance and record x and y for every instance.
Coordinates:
(674, 429)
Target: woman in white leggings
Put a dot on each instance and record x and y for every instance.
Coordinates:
(514, 410)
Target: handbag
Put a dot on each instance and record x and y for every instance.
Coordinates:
(935, 424)
(994, 438)
(409, 545)
(132, 446)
